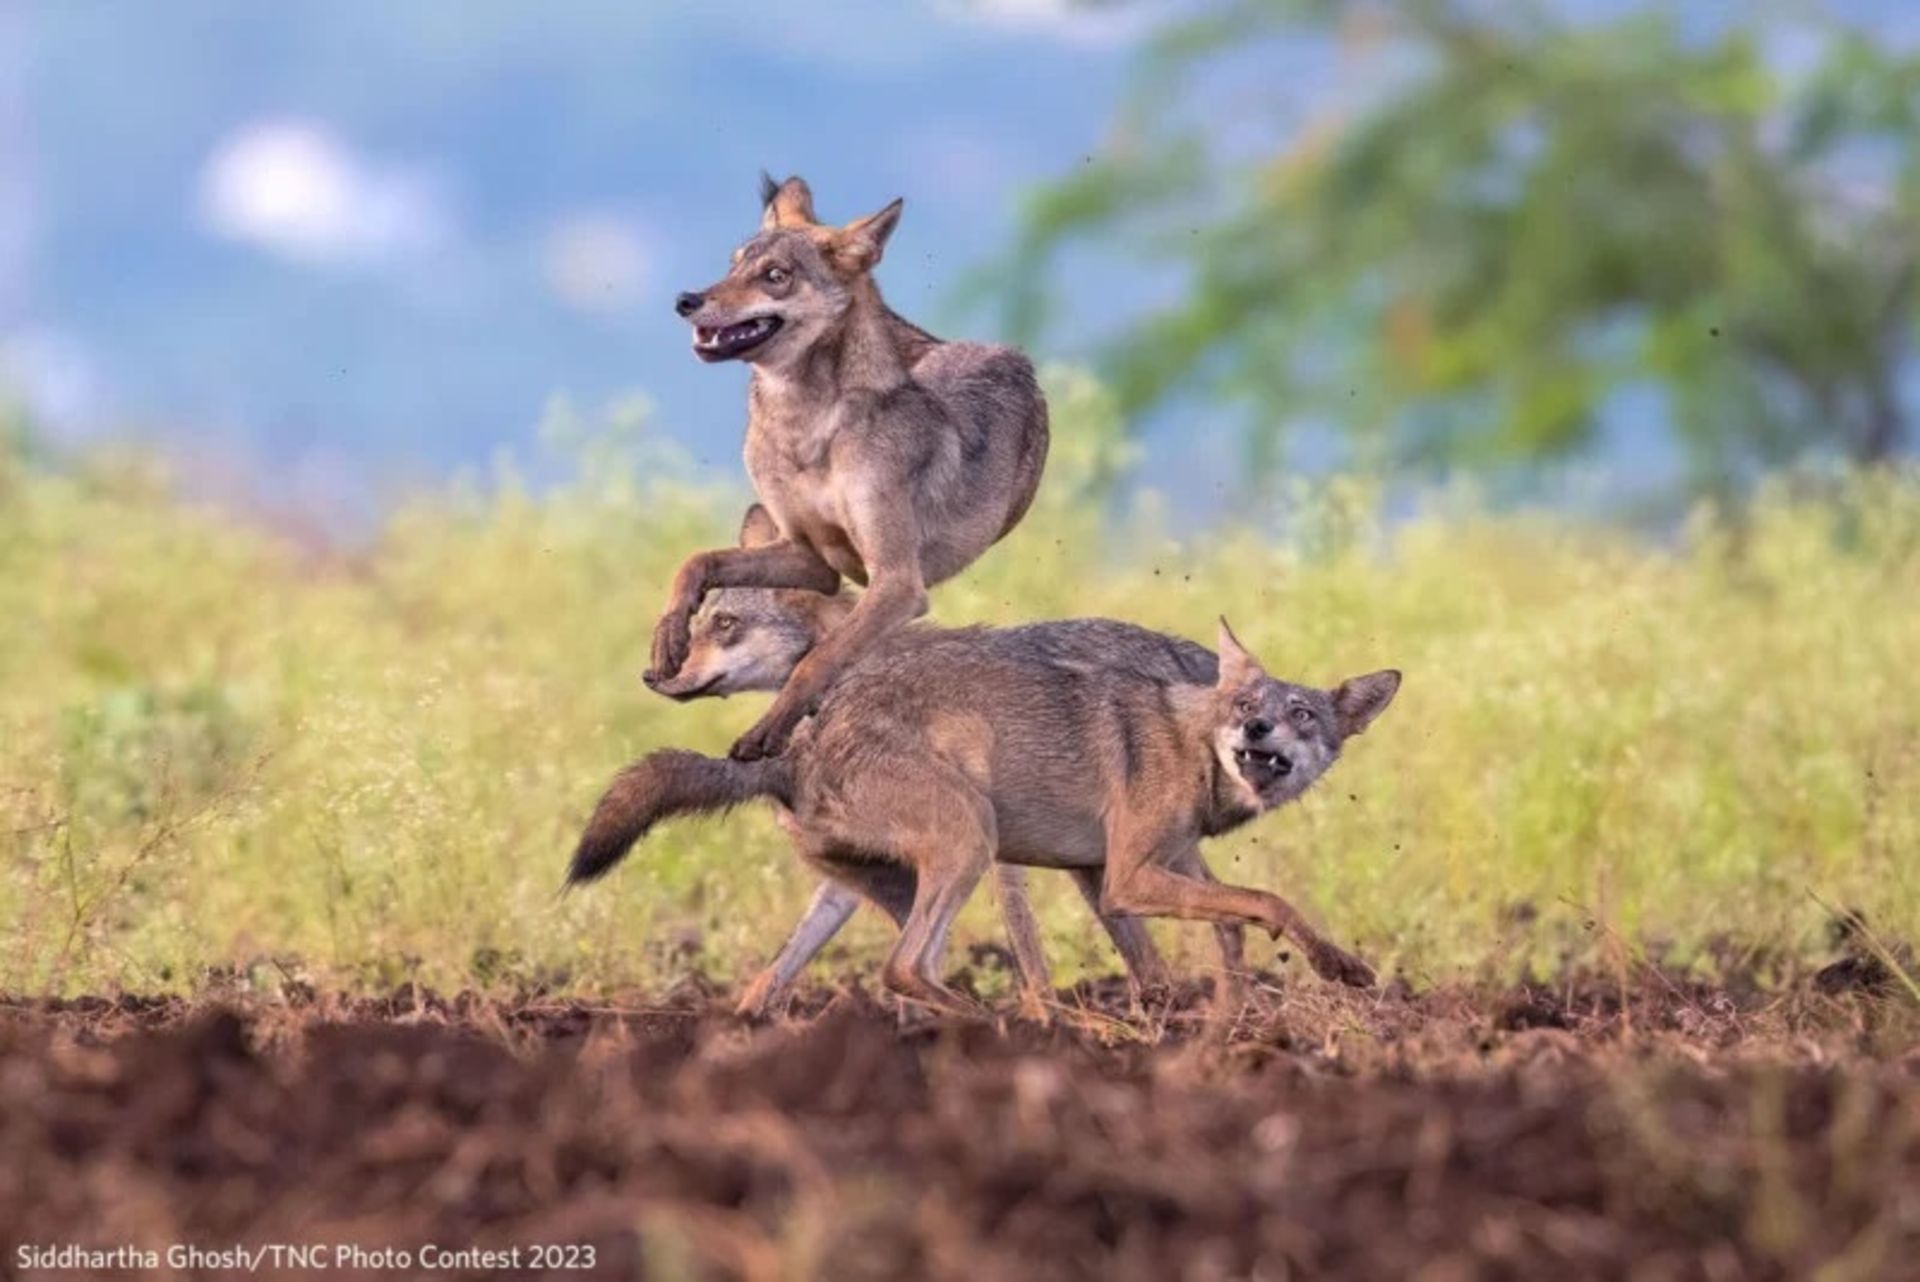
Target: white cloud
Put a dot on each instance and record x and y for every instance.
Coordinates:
(295, 189)
(597, 262)
(1072, 20)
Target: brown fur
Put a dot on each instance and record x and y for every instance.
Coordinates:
(661, 784)
(883, 455)
(1046, 756)
(750, 639)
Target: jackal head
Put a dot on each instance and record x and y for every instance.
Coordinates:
(790, 285)
(751, 638)
(1277, 738)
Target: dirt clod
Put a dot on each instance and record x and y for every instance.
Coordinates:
(1664, 1128)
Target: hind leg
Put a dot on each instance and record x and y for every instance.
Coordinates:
(924, 816)
(912, 971)
(950, 852)
(890, 886)
(893, 887)
(832, 904)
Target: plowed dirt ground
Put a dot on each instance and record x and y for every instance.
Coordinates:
(1638, 1124)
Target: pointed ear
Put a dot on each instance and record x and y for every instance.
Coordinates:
(758, 528)
(1358, 701)
(1237, 664)
(857, 247)
(788, 204)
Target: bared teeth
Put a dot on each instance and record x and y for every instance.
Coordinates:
(726, 336)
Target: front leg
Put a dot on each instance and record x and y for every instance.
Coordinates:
(1140, 881)
(781, 564)
(1230, 994)
(887, 538)
(884, 607)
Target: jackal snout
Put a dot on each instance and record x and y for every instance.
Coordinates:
(746, 639)
(1278, 737)
(789, 284)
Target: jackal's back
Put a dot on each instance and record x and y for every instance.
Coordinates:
(1046, 720)
(994, 401)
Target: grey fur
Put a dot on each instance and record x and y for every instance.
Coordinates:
(883, 454)
(746, 639)
(944, 751)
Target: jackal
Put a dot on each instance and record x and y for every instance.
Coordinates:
(750, 639)
(1055, 745)
(883, 454)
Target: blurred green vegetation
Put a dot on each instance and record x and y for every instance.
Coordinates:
(1504, 221)
(221, 755)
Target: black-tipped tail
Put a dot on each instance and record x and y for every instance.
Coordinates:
(661, 785)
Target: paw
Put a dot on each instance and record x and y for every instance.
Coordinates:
(756, 1002)
(672, 639)
(1034, 1010)
(1342, 968)
(767, 739)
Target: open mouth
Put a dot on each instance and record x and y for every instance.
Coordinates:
(689, 694)
(728, 341)
(1261, 769)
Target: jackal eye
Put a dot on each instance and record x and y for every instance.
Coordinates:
(724, 624)
(1302, 716)
(777, 276)
(1244, 707)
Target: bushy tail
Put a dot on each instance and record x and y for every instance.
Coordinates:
(661, 785)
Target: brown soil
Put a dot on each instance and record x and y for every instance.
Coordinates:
(1652, 1126)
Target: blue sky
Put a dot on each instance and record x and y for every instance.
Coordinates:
(327, 247)
(333, 243)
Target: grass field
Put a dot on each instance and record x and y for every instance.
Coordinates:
(226, 755)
